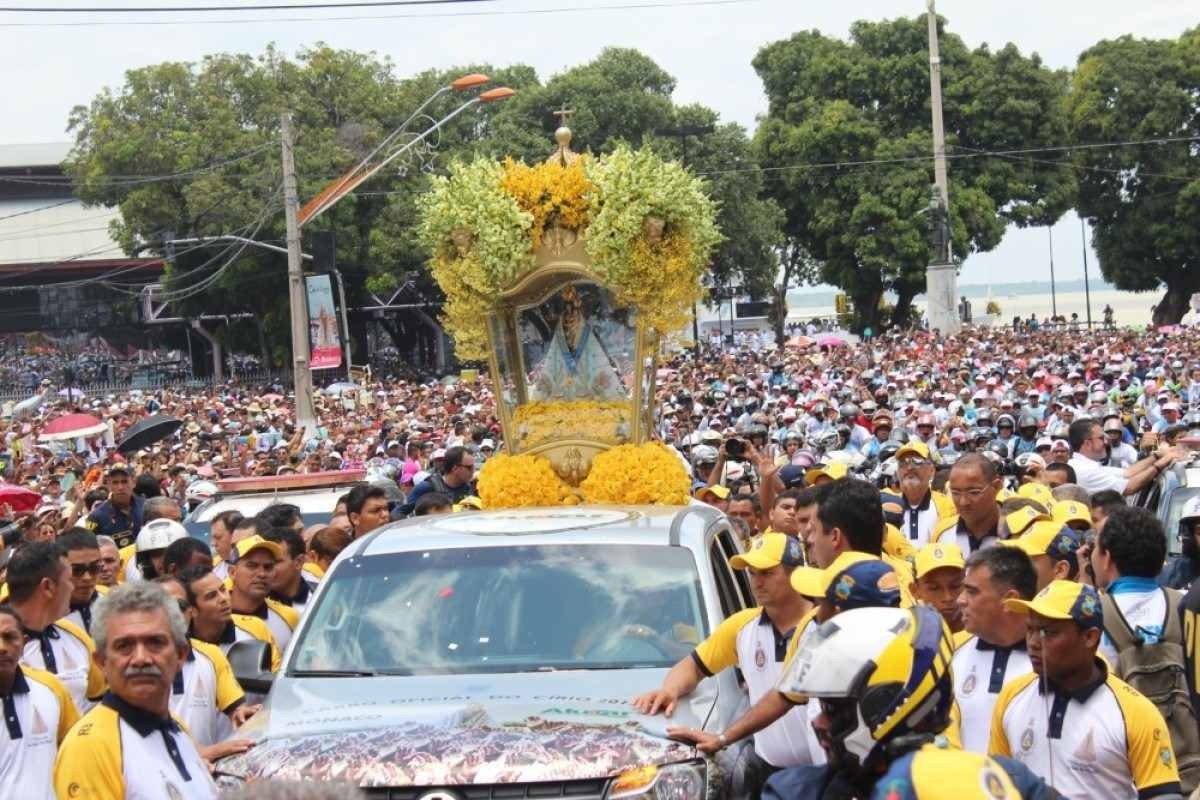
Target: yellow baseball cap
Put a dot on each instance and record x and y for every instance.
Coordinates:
(915, 447)
(814, 581)
(256, 542)
(1068, 511)
(1019, 521)
(834, 470)
(1047, 537)
(809, 582)
(769, 551)
(1063, 600)
(1039, 492)
(722, 492)
(936, 556)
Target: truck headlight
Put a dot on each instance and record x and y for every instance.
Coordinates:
(686, 780)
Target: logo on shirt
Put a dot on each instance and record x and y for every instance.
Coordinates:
(760, 658)
(1086, 752)
(173, 791)
(993, 785)
(1165, 755)
(1027, 739)
(968, 685)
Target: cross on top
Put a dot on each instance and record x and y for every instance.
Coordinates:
(564, 114)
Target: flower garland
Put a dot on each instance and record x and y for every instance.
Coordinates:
(514, 481)
(659, 270)
(598, 420)
(553, 194)
(637, 474)
(478, 237)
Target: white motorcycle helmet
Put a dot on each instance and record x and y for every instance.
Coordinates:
(881, 674)
(199, 491)
(155, 537)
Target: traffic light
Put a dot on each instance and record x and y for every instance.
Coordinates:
(324, 252)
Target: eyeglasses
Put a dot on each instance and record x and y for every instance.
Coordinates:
(79, 570)
(183, 605)
(968, 494)
(914, 462)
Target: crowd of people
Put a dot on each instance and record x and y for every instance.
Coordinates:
(968, 503)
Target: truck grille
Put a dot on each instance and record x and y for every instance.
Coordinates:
(569, 790)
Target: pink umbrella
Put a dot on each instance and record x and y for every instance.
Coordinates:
(831, 341)
(18, 497)
(71, 426)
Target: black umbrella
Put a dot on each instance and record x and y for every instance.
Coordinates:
(147, 432)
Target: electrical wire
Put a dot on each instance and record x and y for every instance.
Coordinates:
(259, 7)
(40, 208)
(419, 15)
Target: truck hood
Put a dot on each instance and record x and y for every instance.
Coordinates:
(441, 731)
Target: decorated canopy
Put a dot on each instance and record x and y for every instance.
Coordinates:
(565, 276)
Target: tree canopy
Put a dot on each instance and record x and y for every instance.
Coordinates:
(848, 143)
(1142, 200)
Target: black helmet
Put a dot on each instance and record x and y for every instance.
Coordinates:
(888, 450)
(999, 448)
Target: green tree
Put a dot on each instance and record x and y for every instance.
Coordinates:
(847, 138)
(214, 128)
(1142, 201)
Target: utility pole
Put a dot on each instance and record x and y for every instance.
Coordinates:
(306, 416)
(1053, 294)
(941, 279)
(1087, 291)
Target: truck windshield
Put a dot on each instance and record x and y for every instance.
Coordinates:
(505, 609)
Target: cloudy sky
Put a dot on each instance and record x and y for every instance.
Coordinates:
(55, 61)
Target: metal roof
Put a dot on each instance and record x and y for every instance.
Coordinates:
(35, 154)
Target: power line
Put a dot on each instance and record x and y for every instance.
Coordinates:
(137, 180)
(361, 18)
(261, 7)
(40, 208)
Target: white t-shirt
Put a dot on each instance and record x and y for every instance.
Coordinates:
(1095, 477)
(979, 675)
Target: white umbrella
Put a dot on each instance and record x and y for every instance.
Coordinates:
(73, 393)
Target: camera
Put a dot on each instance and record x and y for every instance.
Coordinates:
(735, 448)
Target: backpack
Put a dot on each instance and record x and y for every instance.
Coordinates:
(1157, 671)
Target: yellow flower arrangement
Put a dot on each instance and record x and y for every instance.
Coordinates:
(639, 474)
(525, 480)
(555, 194)
(595, 420)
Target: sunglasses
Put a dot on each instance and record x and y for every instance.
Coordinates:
(79, 570)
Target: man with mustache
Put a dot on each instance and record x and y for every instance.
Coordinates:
(130, 745)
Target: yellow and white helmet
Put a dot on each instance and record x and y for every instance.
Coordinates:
(881, 674)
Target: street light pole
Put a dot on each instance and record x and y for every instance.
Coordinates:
(306, 416)
(941, 280)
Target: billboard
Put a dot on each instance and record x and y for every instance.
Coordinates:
(324, 338)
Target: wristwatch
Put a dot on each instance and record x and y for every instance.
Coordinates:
(721, 738)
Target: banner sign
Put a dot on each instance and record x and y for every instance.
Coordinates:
(325, 341)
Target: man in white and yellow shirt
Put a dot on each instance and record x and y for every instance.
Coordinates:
(40, 586)
(38, 712)
(213, 620)
(251, 577)
(205, 695)
(130, 745)
(1087, 732)
(756, 642)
